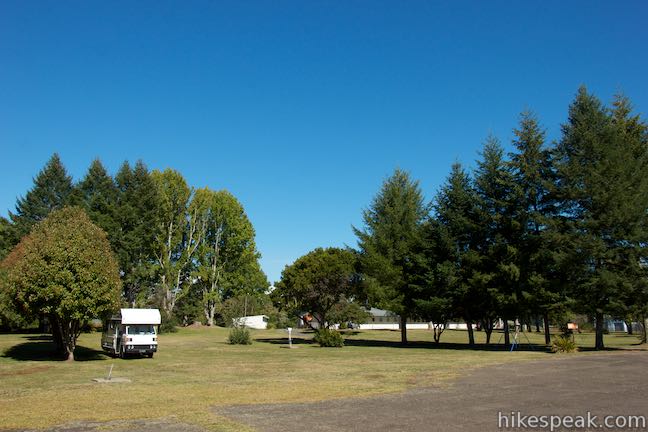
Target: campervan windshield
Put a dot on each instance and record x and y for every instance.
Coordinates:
(141, 329)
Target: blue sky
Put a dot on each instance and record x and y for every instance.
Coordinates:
(301, 109)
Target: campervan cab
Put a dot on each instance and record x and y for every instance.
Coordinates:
(132, 331)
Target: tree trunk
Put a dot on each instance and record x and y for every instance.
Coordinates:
(599, 331)
(487, 325)
(471, 334)
(546, 328)
(507, 336)
(57, 336)
(403, 329)
(629, 327)
(644, 323)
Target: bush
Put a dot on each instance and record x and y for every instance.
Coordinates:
(280, 320)
(328, 338)
(169, 323)
(563, 344)
(239, 336)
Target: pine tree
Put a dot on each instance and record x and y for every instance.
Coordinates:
(603, 194)
(136, 214)
(498, 277)
(458, 238)
(389, 241)
(5, 237)
(97, 193)
(52, 189)
(533, 173)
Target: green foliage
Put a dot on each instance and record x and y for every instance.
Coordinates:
(563, 344)
(454, 262)
(169, 323)
(245, 305)
(136, 215)
(175, 242)
(344, 312)
(390, 241)
(321, 282)
(326, 337)
(51, 191)
(281, 320)
(5, 237)
(97, 193)
(226, 258)
(239, 336)
(64, 269)
(189, 306)
(601, 163)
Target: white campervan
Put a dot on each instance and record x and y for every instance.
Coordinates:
(132, 331)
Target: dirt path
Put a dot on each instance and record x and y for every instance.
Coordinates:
(606, 384)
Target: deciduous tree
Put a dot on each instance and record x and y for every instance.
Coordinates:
(321, 283)
(65, 270)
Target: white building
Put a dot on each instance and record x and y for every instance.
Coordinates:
(258, 322)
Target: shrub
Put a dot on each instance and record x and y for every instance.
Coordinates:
(239, 336)
(328, 338)
(563, 344)
(169, 323)
(280, 320)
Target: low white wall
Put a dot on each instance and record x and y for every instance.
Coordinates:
(412, 326)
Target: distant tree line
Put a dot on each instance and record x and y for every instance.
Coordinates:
(190, 252)
(548, 228)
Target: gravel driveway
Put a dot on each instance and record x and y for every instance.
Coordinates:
(602, 384)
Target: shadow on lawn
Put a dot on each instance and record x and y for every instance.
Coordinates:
(411, 344)
(41, 348)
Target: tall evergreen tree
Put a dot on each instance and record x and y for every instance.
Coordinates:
(532, 169)
(604, 196)
(498, 277)
(459, 236)
(136, 214)
(52, 188)
(389, 241)
(5, 237)
(98, 195)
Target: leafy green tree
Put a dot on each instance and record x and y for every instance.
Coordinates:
(243, 304)
(176, 238)
(52, 189)
(64, 269)
(601, 164)
(136, 215)
(321, 283)
(458, 236)
(226, 259)
(389, 241)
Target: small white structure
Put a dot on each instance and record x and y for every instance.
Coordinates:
(258, 322)
(132, 331)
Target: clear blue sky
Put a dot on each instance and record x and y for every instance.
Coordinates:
(301, 109)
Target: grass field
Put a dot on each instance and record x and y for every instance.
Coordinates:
(196, 369)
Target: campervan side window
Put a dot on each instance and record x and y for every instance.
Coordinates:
(141, 329)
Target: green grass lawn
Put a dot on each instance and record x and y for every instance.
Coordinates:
(196, 369)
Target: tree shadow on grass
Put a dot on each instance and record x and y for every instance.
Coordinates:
(41, 348)
(284, 341)
(411, 345)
